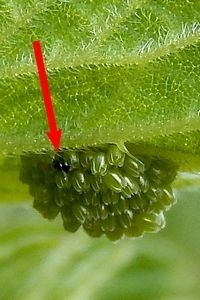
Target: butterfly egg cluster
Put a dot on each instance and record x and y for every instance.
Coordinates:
(103, 189)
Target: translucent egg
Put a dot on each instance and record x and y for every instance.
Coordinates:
(41, 194)
(139, 202)
(133, 166)
(115, 235)
(93, 228)
(120, 207)
(71, 196)
(114, 180)
(115, 156)
(108, 224)
(134, 231)
(143, 183)
(74, 160)
(86, 197)
(152, 194)
(47, 208)
(109, 196)
(95, 182)
(130, 187)
(165, 199)
(58, 197)
(150, 222)
(125, 219)
(99, 164)
(95, 199)
(91, 198)
(62, 180)
(103, 212)
(168, 197)
(85, 158)
(162, 173)
(123, 205)
(80, 181)
(94, 212)
(155, 176)
(79, 212)
(70, 222)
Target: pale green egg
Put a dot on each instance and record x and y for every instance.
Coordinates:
(115, 156)
(99, 164)
(114, 180)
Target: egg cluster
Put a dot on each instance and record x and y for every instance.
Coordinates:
(105, 189)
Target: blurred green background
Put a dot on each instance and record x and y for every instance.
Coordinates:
(39, 260)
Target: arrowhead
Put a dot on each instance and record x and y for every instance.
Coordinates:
(55, 136)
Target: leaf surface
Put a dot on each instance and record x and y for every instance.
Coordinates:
(118, 71)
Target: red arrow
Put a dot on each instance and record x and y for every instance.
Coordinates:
(54, 134)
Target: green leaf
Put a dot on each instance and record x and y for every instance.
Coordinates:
(118, 71)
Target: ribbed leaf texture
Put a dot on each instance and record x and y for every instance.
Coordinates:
(118, 71)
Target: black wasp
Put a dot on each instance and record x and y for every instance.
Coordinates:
(60, 164)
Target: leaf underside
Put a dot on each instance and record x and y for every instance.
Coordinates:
(118, 71)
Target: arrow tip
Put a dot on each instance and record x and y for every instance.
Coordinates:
(55, 136)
